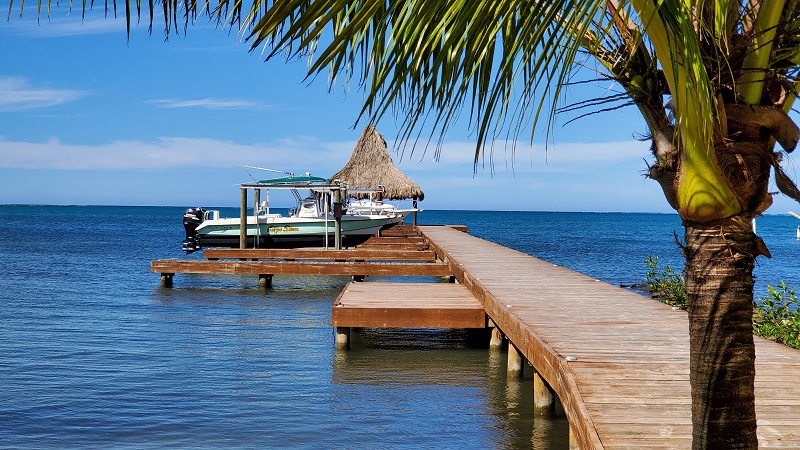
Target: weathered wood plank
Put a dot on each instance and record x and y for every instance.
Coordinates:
(376, 254)
(407, 246)
(377, 240)
(407, 305)
(618, 361)
(300, 268)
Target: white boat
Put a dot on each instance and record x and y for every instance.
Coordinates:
(797, 216)
(312, 223)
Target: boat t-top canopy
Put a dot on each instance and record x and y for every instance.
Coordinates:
(317, 184)
(292, 179)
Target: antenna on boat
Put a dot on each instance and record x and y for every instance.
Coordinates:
(291, 174)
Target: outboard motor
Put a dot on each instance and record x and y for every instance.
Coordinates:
(192, 218)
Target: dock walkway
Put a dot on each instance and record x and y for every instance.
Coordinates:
(618, 361)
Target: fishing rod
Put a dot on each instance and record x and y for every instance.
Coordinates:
(291, 174)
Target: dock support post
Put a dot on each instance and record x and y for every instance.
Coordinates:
(265, 281)
(166, 280)
(342, 338)
(573, 440)
(514, 367)
(544, 400)
(243, 219)
(496, 339)
(358, 278)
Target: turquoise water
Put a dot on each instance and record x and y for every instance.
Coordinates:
(95, 354)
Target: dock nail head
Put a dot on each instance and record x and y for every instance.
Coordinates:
(571, 358)
(508, 306)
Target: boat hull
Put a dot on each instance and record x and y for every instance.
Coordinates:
(290, 232)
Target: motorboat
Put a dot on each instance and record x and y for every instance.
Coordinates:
(311, 223)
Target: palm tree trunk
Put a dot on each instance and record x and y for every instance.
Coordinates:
(719, 285)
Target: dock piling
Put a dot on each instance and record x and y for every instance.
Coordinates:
(496, 339)
(514, 366)
(573, 439)
(342, 338)
(544, 399)
(166, 280)
(265, 281)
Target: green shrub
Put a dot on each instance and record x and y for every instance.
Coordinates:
(777, 317)
(665, 285)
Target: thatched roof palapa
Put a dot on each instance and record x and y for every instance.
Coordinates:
(371, 165)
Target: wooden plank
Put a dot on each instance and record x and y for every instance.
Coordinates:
(399, 230)
(407, 305)
(300, 268)
(618, 361)
(377, 240)
(407, 246)
(378, 254)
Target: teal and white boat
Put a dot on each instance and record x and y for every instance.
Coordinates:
(312, 223)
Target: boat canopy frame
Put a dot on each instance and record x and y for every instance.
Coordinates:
(338, 188)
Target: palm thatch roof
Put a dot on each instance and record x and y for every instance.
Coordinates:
(371, 165)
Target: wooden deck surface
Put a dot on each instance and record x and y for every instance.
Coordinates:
(407, 305)
(354, 268)
(399, 251)
(357, 254)
(618, 361)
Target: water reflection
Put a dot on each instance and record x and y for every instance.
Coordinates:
(442, 373)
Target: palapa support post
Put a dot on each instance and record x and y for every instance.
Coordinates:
(514, 366)
(243, 219)
(414, 205)
(338, 211)
(256, 201)
(265, 281)
(342, 338)
(544, 398)
(166, 279)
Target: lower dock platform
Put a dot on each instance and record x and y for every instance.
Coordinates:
(404, 305)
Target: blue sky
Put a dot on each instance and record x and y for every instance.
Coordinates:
(88, 117)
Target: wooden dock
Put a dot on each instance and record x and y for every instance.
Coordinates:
(401, 251)
(618, 361)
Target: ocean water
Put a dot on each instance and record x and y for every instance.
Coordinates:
(94, 354)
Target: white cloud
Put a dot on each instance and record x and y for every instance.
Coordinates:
(170, 152)
(209, 103)
(298, 153)
(581, 180)
(525, 158)
(67, 22)
(17, 94)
